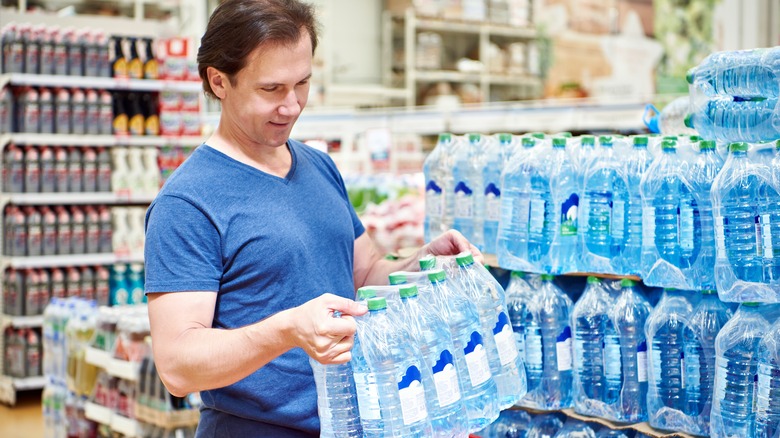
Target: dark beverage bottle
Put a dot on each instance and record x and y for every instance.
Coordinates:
(120, 115)
(151, 117)
(135, 67)
(135, 116)
(119, 62)
(151, 68)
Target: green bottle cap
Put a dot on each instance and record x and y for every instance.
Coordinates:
(464, 259)
(436, 275)
(709, 292)
(547, 277)
(690, 75)
(504, 137)
(627, 282)
(518, 274)
(474, 137)
(750, 304)
(407, 291)
(688, 121)
(640, 140)
(588, 140)
(529, 142)
(707, 145)
(593, 280)
(668, 145)
(539, 135)
(559, 142)
(445, 137)
(365, 293)
(377, 303)
(605, 140)
(565, 134)
(397, 278)
(739, 146)
(695, 138)
(428, 262)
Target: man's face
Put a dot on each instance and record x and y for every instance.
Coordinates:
(269, 93)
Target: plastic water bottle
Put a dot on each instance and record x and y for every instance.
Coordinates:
(772, 210)
(564, 188)
(431, 334)
(728, 119)
(467, 177)
(768, 386)
(736, 364)
(670, 120)
(666, 401)
(336, 400)
(548, 348)
(708, 317)
(702, 174)
(743, 73)
(587, 154)
(518, 294)
(606, 432)
(545, 426)
(494, 155)
(477, 385)
(605, 198)
(439, 189)
(511, 423)
(591, 356)
(628, 317)
(520, 181)
(741, 232)
(668, 221)
(388, 377)
(575, 429)
(636, 164)
(506, 365)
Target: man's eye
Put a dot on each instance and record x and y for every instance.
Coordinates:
(269, 89)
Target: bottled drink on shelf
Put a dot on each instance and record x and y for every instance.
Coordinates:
(575, 429)
(494, 155)
(744, 73)
(671, 119)
(564, 220)
(439, 187)
(467, 180)
(635, 165)
(767, 405)
(545, 426)
(728, 119)
(518, 295)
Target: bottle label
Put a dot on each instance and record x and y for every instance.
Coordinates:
(492, 203)
(505, 340)
(648, 226)
(569, 215)
(720, 235)
(754, 395)
(464, 201)
(612, 360)
(762, 388)
(536, 216)
(618, 219)
(685, 225)
(433, 200)
(766, 236)
(412, 395)
(476, 360)
(641, 361)
(368, 396)
(445, 378)
(682, 369)
(563, 349)
(759, 246)
(520, 341)
(655, 355)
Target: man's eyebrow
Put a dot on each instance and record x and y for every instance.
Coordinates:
(276, 84)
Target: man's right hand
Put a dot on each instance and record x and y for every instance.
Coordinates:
(322, 336)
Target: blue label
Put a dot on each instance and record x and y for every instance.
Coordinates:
(445, 358)
(569, 215)
(432, 186)
(476, 339)
(565, 334)
(463, 188)
(503, 321)
(642, 347)
(412, 375)
(491, 188)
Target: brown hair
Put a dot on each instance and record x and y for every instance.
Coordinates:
(238, 27)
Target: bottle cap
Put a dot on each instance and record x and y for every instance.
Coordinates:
(777, 144)
(559, 142)
(695, 138)
(504, 137)
(474, 137)
(427, 262)
(518, 274)
(688, 121)
(445, 137)
(436, 275)
(365, 293)
(565, 134)
(529, 142)
(709, 292)
(377, 303)
(690, 75)
(750, 304)
(408, 291)
(739, 146)
(707, 145)
(588, 140)
(397, 278)
(593, 280)
(547, 277)
(640, 140)
(627, 282)
(464, 259)
(539, 135)
(605, 140)
(669, 145)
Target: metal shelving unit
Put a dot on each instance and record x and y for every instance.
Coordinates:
(25, 79)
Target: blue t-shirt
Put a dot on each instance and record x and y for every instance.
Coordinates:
(263, 244)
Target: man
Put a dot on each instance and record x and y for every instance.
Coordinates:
(249, 234)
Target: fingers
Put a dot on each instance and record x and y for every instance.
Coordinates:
(338, 353)
(345, 306)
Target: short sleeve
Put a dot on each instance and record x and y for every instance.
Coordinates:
(182, 251)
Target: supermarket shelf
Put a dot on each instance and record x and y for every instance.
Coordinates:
(98, 140)
(446, 76)
(98, 82)
(502, 79)
(78, 198)
(115, 367)
(492, 261)
(21, 321)
(57, 261)
(475, 27)
(103, 415)
(10, 385)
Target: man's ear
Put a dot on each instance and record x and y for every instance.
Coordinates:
(218, 82)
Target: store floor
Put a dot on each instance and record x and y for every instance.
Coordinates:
(24, 419)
